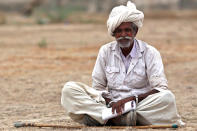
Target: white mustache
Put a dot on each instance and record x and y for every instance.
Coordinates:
(126, 37)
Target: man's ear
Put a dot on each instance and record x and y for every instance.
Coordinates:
(136, 31)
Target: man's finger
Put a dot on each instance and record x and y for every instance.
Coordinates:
(118, 110)
(112, 109)
(123, 107)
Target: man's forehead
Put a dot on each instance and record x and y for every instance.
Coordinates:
(124, 24)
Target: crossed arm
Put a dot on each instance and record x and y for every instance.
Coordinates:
(119, 105)
(155, 74)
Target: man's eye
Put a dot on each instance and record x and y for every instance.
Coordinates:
(127, 30)
(118, 31)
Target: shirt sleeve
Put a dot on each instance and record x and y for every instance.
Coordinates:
(99, 80)
(155, 70)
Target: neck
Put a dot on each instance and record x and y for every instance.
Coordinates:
(127, 50)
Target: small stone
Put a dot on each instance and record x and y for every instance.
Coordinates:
(189, 87)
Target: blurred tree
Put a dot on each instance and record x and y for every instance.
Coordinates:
(61, 3)
(2, 18)
(92, 6)
(28, 10)
(107, 5)
(185, 4)
(101, 5)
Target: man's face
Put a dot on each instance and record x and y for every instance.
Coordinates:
(124, 34)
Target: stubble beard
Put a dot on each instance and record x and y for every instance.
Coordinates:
(126, 44)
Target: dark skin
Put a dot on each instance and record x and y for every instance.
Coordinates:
(125, 29)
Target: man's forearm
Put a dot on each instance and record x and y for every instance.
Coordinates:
(119, 105)
(141, 96)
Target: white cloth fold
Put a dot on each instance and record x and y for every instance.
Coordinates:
(107, 113)
(123, 13)
(79, 99)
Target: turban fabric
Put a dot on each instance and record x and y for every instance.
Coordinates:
(121, 14)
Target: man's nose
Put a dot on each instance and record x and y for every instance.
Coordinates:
(123, 33)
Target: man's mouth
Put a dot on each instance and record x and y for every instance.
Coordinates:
(124, 39)
(124, 42)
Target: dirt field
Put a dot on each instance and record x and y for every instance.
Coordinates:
(31, 78)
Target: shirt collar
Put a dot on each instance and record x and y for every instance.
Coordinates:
(132, 53)
(138, 48)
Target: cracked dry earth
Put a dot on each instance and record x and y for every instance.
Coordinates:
(31, 78)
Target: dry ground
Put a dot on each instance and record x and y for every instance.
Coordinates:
(31, 78)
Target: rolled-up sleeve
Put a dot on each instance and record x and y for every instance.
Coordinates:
(155, 69)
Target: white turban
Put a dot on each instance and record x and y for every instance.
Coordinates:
(121, 14)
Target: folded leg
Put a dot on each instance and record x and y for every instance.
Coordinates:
(159, 108)
(79, 99)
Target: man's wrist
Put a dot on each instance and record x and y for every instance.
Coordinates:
(110, 104)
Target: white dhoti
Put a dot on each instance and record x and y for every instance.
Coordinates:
(79, 99)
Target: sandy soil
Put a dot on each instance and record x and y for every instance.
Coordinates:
(31, 78)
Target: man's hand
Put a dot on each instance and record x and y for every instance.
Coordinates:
(107, 98)
(119, 105)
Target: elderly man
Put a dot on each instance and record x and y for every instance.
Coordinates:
(126, 70)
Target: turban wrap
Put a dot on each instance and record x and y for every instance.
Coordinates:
(121, 14)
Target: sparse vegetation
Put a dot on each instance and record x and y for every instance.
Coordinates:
(32, 77)
(42, 43)
(55, 14)
(2, 18)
